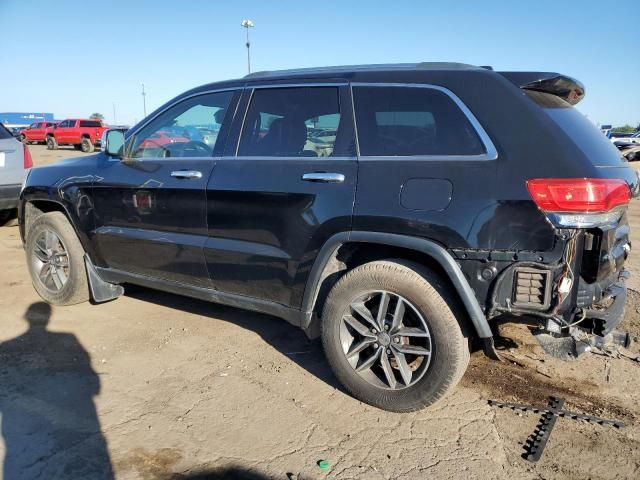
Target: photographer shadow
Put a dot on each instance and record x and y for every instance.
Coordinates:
(50, 425)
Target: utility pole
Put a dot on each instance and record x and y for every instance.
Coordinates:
(115, 121)
(247, 24)
(144, 100)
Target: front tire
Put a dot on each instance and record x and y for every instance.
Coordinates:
(87, 145)
(56, 260)
(391, 336)
(52, 144)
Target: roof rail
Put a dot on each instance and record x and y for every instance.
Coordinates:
(363, 68)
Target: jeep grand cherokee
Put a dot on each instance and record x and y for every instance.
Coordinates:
(440, 197)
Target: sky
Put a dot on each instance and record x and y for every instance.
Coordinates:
(76, 57)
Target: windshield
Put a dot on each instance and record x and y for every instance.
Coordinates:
(587, 137)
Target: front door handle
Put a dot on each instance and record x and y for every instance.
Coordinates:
(186, 174)
(323, 177)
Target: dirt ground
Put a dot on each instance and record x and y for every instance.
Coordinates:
(155, 386)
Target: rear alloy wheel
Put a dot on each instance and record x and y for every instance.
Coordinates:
(56, 260)
(52, 144)
(87, 145)
(378, 333)
(391, 336)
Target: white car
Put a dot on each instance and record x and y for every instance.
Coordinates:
(627, 141)
(15, 160)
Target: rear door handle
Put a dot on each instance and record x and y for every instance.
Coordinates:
(323, 177)
(186, 174)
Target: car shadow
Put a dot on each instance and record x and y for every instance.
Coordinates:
(284, 337)
(50, 424)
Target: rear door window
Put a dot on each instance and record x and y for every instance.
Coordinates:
(295, 122)
(412, 121)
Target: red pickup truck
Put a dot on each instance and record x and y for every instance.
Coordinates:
(82, 133)
(36, 132)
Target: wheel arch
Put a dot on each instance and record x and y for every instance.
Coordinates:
(387, 245)
(32, 207)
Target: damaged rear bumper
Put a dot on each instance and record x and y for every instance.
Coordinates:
(607, 314)
(593, 327)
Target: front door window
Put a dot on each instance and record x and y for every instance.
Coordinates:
(188, 129)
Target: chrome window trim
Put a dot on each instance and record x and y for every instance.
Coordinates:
(491, 153)
(298, 158)
(253, 89)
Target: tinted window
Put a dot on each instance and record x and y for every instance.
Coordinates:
(90, 123)
(188, 129)
(396, 121)
(4, 133)
(295, 122)
(586, 136)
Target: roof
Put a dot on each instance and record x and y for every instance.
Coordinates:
(346, 69)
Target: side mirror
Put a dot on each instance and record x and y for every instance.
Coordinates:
(112, 143)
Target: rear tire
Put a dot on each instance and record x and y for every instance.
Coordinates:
(87, 145)
(52, 144)
(51, 238)
(398, 381)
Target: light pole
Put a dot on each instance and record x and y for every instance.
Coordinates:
(247, 24)
(144, 100)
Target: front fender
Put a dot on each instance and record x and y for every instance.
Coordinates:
(60, 188)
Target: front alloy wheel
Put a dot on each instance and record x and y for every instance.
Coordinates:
(56, 260)
(50, 261)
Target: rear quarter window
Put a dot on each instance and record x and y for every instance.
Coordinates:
(412, 121)
(90, 123)
(584, 134)
(4, 133)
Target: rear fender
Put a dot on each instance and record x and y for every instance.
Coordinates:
(424, 246)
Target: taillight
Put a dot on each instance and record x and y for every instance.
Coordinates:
(28, 162)
(580, 202)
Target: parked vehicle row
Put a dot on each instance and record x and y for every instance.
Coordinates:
(394, 210)
(83, 133)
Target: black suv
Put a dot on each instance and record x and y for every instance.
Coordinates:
(393, 210)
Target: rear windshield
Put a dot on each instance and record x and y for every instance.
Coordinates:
(4, 133)
(587, 137)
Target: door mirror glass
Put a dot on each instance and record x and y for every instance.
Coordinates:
(112, 143)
